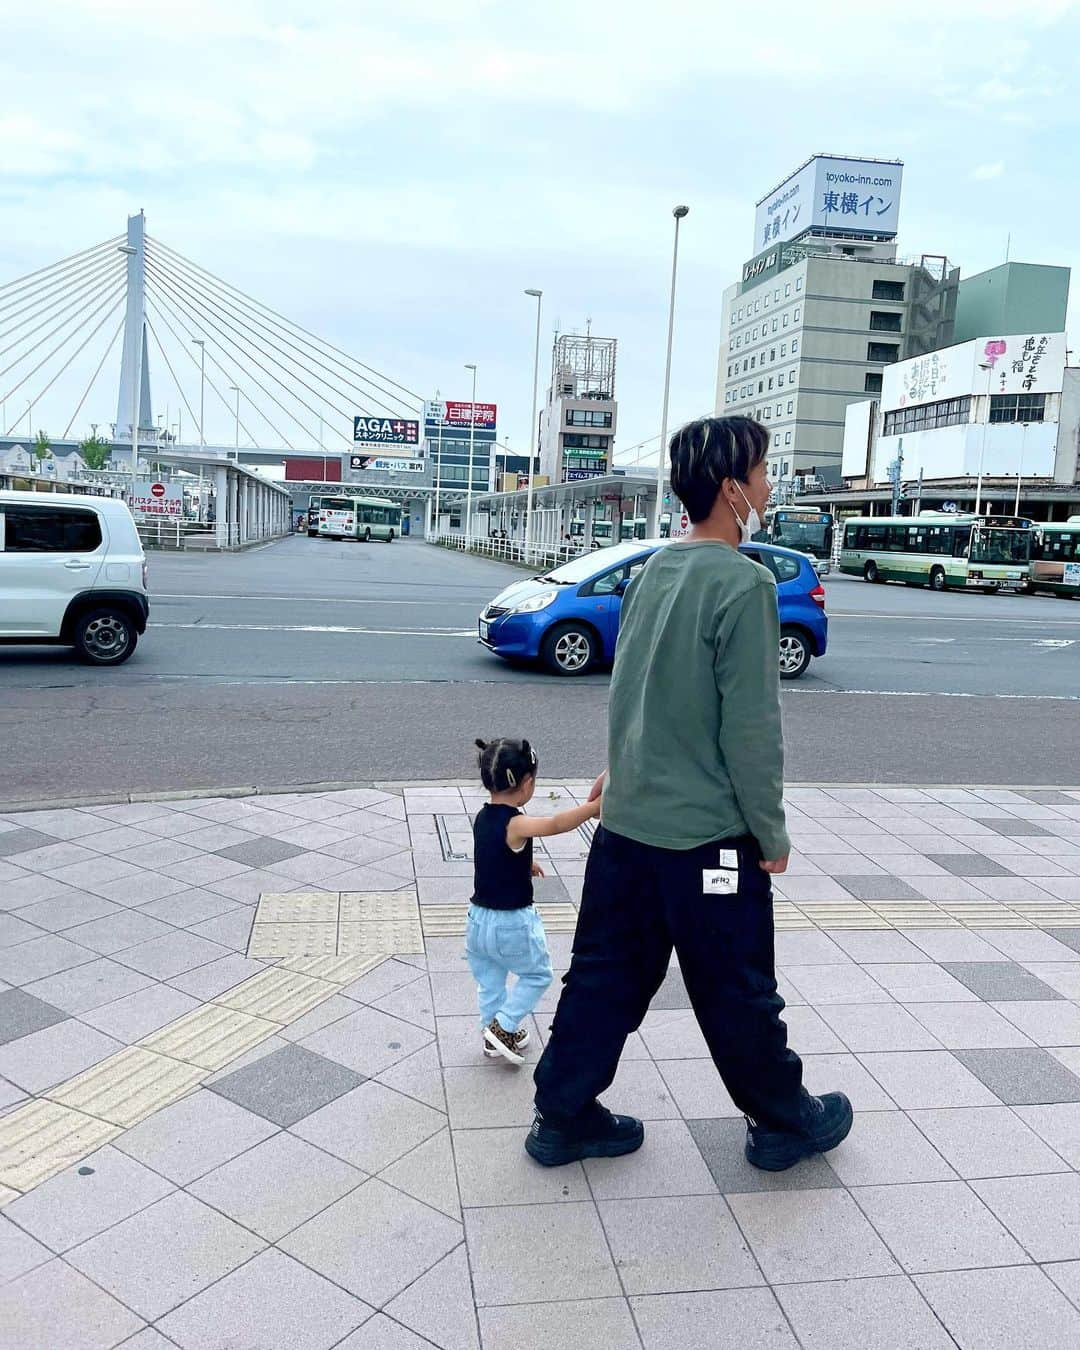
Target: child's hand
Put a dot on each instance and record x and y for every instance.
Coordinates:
(537, 870)
(595, 804)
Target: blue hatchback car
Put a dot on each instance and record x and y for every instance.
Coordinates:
(569, 618)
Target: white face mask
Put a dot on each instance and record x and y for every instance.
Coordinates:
(752, 524)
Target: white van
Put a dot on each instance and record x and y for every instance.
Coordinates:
(72, 573)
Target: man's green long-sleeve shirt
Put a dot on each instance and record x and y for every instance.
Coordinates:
(695, 744)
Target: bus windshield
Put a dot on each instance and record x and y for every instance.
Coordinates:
(805, 531)
(1000, 545)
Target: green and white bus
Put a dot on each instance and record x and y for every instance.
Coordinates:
(939, 550)
(804, 530)
(364, 518)
(1055, 557)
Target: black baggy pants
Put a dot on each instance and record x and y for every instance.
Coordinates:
(638, 902)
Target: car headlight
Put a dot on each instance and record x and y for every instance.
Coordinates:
(535, 602)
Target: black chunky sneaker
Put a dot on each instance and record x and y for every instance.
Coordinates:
(602, 1135)
(830, 1118)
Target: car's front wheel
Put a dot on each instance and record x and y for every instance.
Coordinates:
(105, 637)
(795, 653)
(570, 649)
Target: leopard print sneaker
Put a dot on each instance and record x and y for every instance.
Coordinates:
(508, 1044)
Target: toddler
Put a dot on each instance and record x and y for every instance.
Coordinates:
(504, 934)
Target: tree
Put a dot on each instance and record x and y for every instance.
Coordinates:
(42, 448)
(95, 452)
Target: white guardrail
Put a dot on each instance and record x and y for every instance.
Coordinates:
(541, 556)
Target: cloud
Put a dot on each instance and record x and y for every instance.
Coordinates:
(984, 172)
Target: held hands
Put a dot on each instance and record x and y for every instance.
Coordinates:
(775, 866)
(537, 870)
(597, 788)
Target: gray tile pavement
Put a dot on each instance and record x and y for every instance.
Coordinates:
(357, 1180)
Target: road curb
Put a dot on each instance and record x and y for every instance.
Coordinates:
(15, 805)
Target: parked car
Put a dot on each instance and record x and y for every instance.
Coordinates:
(569, 618)
(72, 573)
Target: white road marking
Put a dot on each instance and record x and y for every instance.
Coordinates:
(322, 628)
(317, 600)
(940, 693)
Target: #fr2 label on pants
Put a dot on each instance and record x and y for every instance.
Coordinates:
(723, 879)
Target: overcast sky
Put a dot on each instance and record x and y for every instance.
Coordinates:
(393, 175)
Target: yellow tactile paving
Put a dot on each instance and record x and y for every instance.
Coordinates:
(293, 939)
(40, 1138)
(298, 907)
(338, 970)
(380, 935)
(362, 906)
(278, 995)
(210, 1036)
(128, 1086)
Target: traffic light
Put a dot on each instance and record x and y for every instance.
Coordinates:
(902, 491)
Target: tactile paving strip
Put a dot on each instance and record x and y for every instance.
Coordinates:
(325, 923)
(298, 907)
(128, 1086)
(40, 1138)
(210, 1036)
(292, 939)
(278, 995)
(449, 920)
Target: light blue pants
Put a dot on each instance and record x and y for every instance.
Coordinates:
(501, 942)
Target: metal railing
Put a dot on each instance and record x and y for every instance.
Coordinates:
(193, 535)
(542, 557)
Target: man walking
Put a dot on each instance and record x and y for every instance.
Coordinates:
(692, 827)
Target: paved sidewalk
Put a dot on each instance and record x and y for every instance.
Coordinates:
(305, 1148)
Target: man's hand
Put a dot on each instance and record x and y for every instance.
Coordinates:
(537, 870)
(775, 866)
(597, 787)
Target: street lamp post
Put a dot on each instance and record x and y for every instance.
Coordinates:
(136, 380)
(441, 412)
(983, 365)
(472, 447)
(538, 297)
(201, 344)
(679, 212)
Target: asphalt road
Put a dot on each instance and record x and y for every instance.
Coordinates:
(310, 661)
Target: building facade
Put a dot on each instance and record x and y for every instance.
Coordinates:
(1013, 298)
(580, 416)
(451, 438)
(824, 308)
(1000, 406)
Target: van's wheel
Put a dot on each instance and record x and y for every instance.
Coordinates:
(104, 637)
(870, 572)
(795, 653)
(937, 578)
(570, 649)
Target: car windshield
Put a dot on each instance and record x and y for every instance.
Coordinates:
(581, 569)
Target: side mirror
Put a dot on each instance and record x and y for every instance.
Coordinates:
(621, 587)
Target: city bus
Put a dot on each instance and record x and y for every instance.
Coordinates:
(806, 531)
(364, 518)
(314, 506)
(939, 550)
(1055, 557)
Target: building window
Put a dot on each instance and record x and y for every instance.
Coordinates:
(745, 365)
(783, 349)
(573, 441)
(753, 360)
(770, 381)
(888, 290)
(884, 321)
(776, 295)
(588, 417)
(768, 414)
(772, 353)
(795, 346)
(776, 438)
(791, 406)
(761, 386)
(757, 306)
(798, 283)
(947, 412)
(774, 325)
(787, 437)
(779, 410)
(872, 382)
(766, 302)
(780, 380)
(882, 351)
(1017, 407)
(787, 289)
(797, 315)
(787, 318)
(791, 376)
